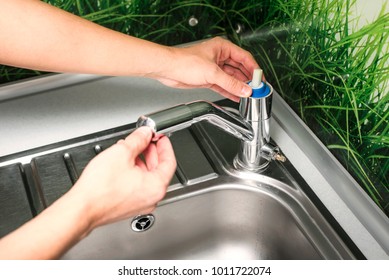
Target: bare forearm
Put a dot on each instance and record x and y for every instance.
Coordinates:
(43, 37)
(50, 234)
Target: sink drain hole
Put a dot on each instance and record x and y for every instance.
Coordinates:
(142, 222)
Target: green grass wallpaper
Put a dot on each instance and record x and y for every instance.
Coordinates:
(335, 78)
(333, 74)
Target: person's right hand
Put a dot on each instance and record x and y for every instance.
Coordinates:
(117, 184)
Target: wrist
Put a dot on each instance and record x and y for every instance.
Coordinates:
(77, 206)
(162, 62)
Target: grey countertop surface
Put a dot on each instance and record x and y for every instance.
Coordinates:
(71, 111)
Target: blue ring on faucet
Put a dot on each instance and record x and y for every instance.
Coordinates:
(262, 91)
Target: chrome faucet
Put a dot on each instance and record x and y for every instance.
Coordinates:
(252, 127)
(256, 154)
(182, 116)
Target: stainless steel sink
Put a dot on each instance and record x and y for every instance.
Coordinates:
(226, 214)
(210, 211)
(220, 219)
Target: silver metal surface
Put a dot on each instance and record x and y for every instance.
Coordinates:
(40, 84)
(359, 216)
(184, 115)
(252, 127)
(193, 21)
(27, 158)
(142, 223)
(65, 112)
(84, 108)
(238, 215)
(256, 111)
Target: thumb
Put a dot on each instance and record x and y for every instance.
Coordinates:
(138, 140)
(232, 85)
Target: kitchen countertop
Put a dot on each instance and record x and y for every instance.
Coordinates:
(70, 110)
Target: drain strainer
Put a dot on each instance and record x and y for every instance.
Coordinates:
(142, 222)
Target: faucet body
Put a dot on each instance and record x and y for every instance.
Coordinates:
(184, 115)
(252, 127)
(257, 112)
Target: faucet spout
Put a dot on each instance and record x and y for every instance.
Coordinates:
(184, 115)
(251, 126)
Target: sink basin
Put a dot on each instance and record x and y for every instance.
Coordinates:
(217, 220)
(221, 213)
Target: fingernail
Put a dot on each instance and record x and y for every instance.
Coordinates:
(246, 91)
(145, 130)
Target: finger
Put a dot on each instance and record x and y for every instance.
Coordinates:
(138, 141)
(225, 93)
(230, 84)
(214, 87)
(234, 72)
(238, 67)
(140, 163)
(151, 157)
(237, 54)
(166, 160)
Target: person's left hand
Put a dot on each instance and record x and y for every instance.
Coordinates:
(118, 184)
(217, 64)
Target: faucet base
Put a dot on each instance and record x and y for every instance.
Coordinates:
(267, 153)
(238, 164)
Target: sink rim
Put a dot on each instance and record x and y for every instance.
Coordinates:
(305, 216)
(309, 219)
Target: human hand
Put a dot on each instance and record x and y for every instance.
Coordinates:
(217, 64)
(117, 184)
